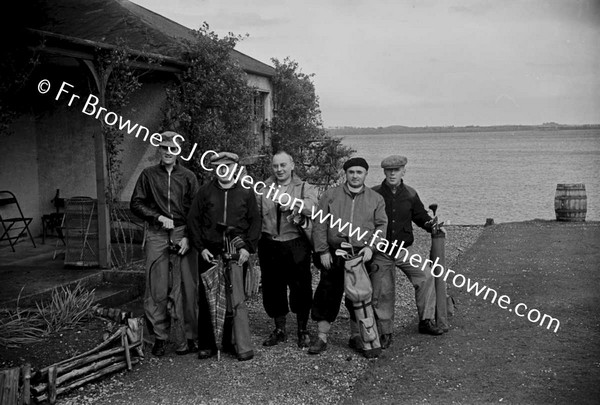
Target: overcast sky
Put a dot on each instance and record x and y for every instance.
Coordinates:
(421, 62)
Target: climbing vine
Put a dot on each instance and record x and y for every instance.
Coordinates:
(211, 106)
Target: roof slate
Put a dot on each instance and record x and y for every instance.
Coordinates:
(105, 21)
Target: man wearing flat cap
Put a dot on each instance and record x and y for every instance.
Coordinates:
(355, 204)
(403, 207)
(224, 213)
(162, 197)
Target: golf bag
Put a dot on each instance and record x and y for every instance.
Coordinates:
(444, 304)
(358, 289)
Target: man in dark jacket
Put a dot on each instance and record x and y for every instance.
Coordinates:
(162, 197)
(403, 206)
(224, 204)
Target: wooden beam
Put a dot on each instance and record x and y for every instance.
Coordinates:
(101, 175)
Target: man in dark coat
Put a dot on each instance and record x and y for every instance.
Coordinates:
(403, 207)
(224, 204)
(162, 197)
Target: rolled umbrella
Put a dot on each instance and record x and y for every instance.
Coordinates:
(214, 286)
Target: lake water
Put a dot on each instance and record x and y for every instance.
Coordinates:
(507, 176)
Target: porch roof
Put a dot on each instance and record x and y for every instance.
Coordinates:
(103, 22)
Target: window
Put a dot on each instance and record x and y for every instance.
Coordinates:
(258, 111)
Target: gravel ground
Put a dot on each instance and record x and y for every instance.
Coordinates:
(283, 374)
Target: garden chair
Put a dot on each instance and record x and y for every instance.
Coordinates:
(9, 207)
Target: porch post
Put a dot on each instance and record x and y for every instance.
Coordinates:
(101, 176)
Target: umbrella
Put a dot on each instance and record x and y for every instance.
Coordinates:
(214, 285)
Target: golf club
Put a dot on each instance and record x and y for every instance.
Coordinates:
(346, 245)
(433, 207)
(342, 253)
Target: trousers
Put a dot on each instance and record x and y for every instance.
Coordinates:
(329, 293)
(236, 331)
(420, 277)
(282, 265)
(170, 297)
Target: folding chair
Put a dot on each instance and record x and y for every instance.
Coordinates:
(8, 199)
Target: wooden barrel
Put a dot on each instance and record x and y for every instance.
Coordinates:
(570, 202)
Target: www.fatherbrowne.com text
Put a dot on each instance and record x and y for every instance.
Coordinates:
(399, 252)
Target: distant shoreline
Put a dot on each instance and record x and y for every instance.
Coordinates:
(400, 129)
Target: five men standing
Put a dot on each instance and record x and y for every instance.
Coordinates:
(223, 215)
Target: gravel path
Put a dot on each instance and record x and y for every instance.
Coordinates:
(282, 374)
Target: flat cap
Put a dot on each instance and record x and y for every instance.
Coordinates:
(393, 162)
(356, 161)
(168, 139)
(224, 158)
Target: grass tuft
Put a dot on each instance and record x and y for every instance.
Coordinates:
(68, 307)
(19, 326)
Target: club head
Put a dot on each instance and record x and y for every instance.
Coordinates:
(346, 245)
(342, 253)
(433, 207)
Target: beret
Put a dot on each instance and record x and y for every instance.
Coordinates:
(224, 158)
(167, 139)
(394, 161)
(356, 161)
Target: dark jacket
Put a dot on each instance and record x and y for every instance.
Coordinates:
(159, 193)
(365, 210)
(235, 207)
(403, 208)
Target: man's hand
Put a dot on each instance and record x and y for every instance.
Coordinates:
(244, 255)
(167, 223)
(326, 260)
(367, 254)
(207, 256)
(184, 246)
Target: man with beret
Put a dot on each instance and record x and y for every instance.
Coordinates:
(284, 251)
(403, 207)
(162, 197)
(360, 207)
(223, 204)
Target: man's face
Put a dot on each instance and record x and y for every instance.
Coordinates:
(224, 174)
(166, 157)
(394, 176)
(282, 166)
(355, 176)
